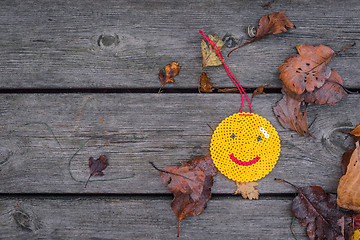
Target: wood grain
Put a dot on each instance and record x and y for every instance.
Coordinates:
(117, 218)
(133, 129)
(122, 44)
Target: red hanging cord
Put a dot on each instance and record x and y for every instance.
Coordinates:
(229, 73)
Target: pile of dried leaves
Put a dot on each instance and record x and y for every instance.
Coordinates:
(307, 78)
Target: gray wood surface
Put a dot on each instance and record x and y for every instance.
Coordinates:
(52, 44)
(116, 218)
(133, 129)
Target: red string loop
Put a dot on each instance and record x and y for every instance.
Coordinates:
(229, 73)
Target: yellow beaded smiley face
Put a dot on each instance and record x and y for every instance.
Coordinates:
(245, 147)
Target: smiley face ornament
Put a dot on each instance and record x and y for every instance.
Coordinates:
(245, 146)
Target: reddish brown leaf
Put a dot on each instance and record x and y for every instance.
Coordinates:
(97, 166)
(308, 69)
(167, 75)
(260, 90)
(356, 131)
(274, 23)
(330, 93)
(289, 114)
(317, 210)
(205, 84)
(191, 185)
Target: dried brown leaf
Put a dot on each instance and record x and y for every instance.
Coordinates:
(308, 69)
(260, 90)
(349, 185)
(330, 93)
(191, 185)
(167, 75)
(317, 210)
(247, 190)
(274, 23)
(289, 114)
(205, 84)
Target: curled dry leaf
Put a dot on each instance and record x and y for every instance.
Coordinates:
(349, 185)
(167, 75)
(290, 116)
(191, 185)
(205, 84)
(317, 210)
(247, 190)
(260, 90)
(210, 58)
(274, 23)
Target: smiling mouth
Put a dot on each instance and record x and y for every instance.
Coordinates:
(249, 163)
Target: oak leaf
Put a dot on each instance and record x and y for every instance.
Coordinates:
(167, 74)
(274, 23)
(289, 114)
(191, 185)
(247, 190)
(210, 58)
(205, 84)
(349, 185)
(317, 210)
(97, 166)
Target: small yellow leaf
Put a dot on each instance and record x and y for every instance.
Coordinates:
(210, 58)
(247, 190)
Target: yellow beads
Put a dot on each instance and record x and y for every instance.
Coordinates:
(245, 147)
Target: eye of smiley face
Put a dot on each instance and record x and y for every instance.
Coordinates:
(245, 147)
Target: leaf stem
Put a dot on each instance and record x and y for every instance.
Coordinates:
(160, 170)
(87, 181)
(282, 180)
(178, 229)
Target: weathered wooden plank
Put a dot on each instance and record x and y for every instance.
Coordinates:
(114, 218)
(52, 44)
(133, 129)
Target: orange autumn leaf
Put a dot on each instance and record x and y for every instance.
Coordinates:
(356, 131)
(205, 84)
(308, 69)
(274, 23)
(247, 190)
(348, 191)
(167, 74)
